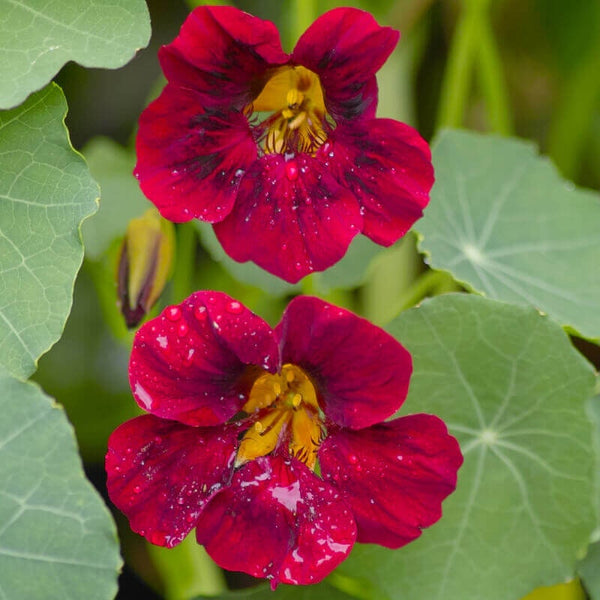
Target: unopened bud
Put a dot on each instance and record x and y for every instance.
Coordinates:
(144, 264)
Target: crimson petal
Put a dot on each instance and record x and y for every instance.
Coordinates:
(290, 218)
(189, 363)
(190, 162)
(277, 520)
(224, 54)
(387, 165)
(361, 372)
(394, 475)
(346, 47)
(161, 474)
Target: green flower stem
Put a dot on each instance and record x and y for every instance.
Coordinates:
(303, 13)
(185, 262)
(459, 70)
(430, 283)
(187, 571)
(473, 47)
(571, 122)
(492, 80)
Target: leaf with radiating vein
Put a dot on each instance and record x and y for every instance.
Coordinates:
(513, 390)
(45, 193)
(37, 37)
(503, 222)
(57, 539)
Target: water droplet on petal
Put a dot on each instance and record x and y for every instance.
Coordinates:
(182, 329)
(200, 313)
(235, 307)
(173, 313)
(291, 170)
(352, 458)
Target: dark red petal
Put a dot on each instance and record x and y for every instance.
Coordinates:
(361, 372)
(189, 363)
(190, 162)
(277, 520)
(388, 167)
(346, 47)
(394, 475)
(161, 474)
(291, 218)
(223, 54)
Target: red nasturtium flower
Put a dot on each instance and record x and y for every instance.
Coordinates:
(272, 442)
(281, 152)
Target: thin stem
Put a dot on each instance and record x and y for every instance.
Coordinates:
(427, 284)
(303, 13)
(185, 261)
(492, 79)
(459, 70)
(569, 129)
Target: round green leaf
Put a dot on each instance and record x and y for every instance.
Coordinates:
(504, 223)
(37, 37)
(45, 193)
(121, 198)
(513, 390)
(57, 539)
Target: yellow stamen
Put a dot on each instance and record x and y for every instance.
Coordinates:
(288, 414)
(295, 97)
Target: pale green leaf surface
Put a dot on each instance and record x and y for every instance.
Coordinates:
(121, 198)
(45, 193)
(57, 539)
(37, 37)
(503, 222)
(513, 390)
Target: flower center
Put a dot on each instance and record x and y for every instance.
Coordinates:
(298, 122)
(286, 412)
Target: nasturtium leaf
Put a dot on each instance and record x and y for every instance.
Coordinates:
(513, 390)
(57, 539)
(37, 37)
(46, 191)
(504, 223)
(120, 196)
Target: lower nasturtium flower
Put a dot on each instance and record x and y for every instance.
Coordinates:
(272, 443)
(282, 153)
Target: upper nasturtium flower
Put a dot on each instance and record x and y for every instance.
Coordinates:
(282, 153)
(273, 443)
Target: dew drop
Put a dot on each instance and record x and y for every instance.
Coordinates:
(200, 313)
(291, 170)
(235, 307)
(352, 458)
(137, 489)
(182, 329)
(158, 537)
(173, 313)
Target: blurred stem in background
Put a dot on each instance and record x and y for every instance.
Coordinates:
(569, 128)
(474, 49)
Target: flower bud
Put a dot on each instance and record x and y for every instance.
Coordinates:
(144, 264)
